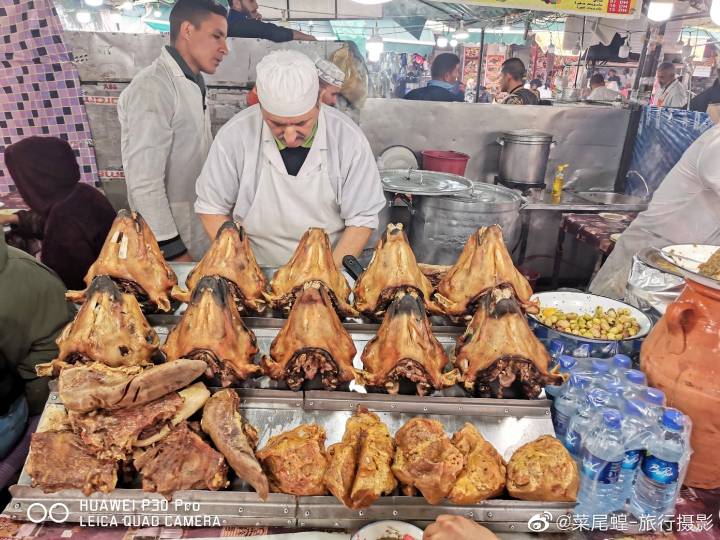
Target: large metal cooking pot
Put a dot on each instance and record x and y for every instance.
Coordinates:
(524, 156)
(440, 226)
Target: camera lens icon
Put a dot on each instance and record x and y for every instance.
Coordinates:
(39, 513)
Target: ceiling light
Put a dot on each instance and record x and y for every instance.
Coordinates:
(157, 13)
(715, 11)
(126, 6)
(83, 16)
(624, 50)
(374, 46)
(442, 42)
(94, 3)
(461, 34)
(660, 11)
(453, 43)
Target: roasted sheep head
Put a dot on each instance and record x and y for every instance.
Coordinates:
(211, 330)
(543, 470)
(426, 460)
(230, 257)
(483, 476)
(132, 258)
(498, 355)
(295, 461)
(85, 388)
(312, 261)
(182, 460)
(483, 264)
(235, 438)
(114, 434)
(405, 349)
(313, 341)
(109, 328)
(392, 268)
(358, 471)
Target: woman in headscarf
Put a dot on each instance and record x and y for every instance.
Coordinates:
(71, 218)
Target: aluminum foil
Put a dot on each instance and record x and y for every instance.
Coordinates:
(652, 290)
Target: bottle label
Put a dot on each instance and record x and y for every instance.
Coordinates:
(632, 459)
(600, 470)
(561, 423)
(572, 442)
(660, 471)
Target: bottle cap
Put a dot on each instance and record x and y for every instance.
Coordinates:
(673, 419)
(635, 376)
(615, 389)
(597, 397)
(566, 362)
(621, 361)
(654, 396)
(600, 366)
(556, 347)
(612, 418)
(634, 407)
(579, 380)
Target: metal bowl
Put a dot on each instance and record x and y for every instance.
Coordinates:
(580, 302)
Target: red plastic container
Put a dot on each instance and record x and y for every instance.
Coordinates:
(445, 161)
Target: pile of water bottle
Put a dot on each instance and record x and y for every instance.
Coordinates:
(632, 451)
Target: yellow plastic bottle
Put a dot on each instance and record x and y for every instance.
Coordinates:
(559, 180)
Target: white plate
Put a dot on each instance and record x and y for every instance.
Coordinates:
(398, 157)
(687, 257)
(393, 529)
(612, 217)
(2, 204)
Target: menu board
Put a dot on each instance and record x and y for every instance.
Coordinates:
(493, 64)
(618, 9)
(471, 59)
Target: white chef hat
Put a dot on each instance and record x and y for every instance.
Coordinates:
(329, 72)
(287, 83)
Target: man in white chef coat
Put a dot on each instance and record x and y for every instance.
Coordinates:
(685, 209)
(290, 163)
(671, 93)
(165, 127)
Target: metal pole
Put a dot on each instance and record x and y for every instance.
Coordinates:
(480, 64)
(641, 61)
(580, 51)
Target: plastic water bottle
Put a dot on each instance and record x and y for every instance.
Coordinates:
(583, 421)
(636, 430)
(556, 348)
(564, 366)
(636, 382)
(600, 373)
(655, 400)
(619, 364)
(602, 458)
(657, 482)
(617, 395)
(582, 351)
(566, 404)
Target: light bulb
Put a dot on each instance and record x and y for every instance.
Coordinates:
(624, 51)
(461, 34)
(442, 42)
(551, 49)
(157, 13)
(453, 43)
(661, 11)
(94, 3)
(83, 16)
(715, 11)
(126, 6)
(374, 46)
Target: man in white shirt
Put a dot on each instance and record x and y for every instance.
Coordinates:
(672, 93)
(288, 164)
(165, 128)
(599, 92)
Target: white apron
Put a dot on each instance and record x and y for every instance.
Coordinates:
(286, 206)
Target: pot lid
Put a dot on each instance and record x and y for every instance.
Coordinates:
(490, 194)
(527, 136)
(418, 182)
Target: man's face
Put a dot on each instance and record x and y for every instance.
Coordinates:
(206, 43)
(292, 131)
(329, 94)
(506, 82)
(250, 7)
(665, 77)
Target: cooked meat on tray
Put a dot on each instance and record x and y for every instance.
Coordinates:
(114, 434)
(85, 388)
(542, 470)
(211, 330)
(230, 257)
(109, 328)
(498, 355)
(312, 342)
(711, 267)
(426, 460)
(312, 261)
(132, 258)
(295, 461)
(405, 349)
(393, 268)
(483, 264)
(234, 438)
(358, 471)
(483, 476)
(182, 460)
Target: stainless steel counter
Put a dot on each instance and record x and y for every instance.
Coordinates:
(570, 202)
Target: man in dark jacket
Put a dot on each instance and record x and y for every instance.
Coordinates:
(708, 97)
(245, 21)
(445, 72)
(512, 75)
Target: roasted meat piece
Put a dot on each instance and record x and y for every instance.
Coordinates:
(484, 474)
(405, 349)
(230, 257)
(498, 355)
(295, 461)
(182, 460)
(109, 328)
(313, 341)
(211, 330)
(312, 261)
(425, 459)
(483, 264)
(235, 438)
(132, 258)
(114, 434)
(392, 268)
(84, 388)
(60, 460)
(358, 471)
(542, 470)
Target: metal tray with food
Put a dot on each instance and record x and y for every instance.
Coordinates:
(699, 262)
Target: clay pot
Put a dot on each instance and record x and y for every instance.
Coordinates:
(681, 356)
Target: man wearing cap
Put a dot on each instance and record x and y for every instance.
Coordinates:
(288, 164)
(331, 81)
